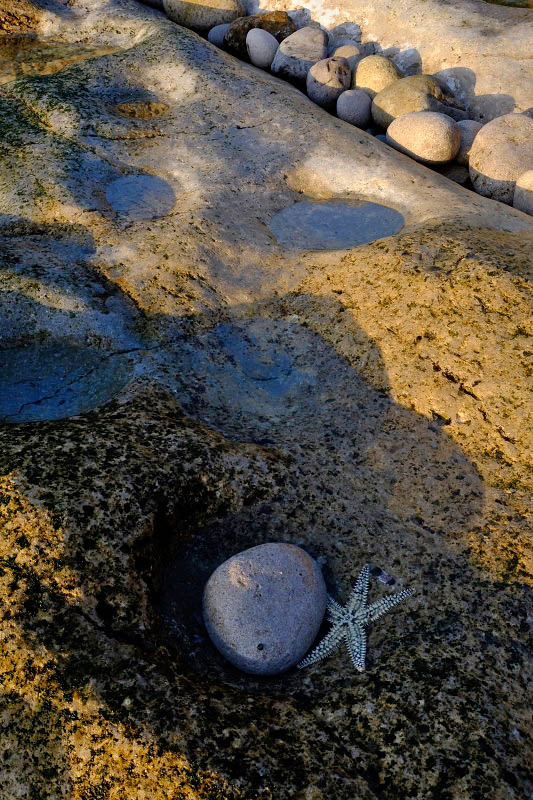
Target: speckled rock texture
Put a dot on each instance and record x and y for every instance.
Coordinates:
(523, 192)
(263, 607)
(366, 404)
(327, 80)
(202, 15)
(481, 51)
(298, 52)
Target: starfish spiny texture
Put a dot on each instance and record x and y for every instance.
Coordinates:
(350, 622)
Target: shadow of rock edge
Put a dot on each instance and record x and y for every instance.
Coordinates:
(83, 561)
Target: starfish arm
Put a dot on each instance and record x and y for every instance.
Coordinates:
(359, 593)
(329, 643)
(356, 642)
(335, 612)
(385, 604)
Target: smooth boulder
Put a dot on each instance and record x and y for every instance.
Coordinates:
(501, 152)
(350, 51)
(277, 23)
(426, 136)
(261, 47)
(523, 192)
(298, 52)
(216, 34)
(263, 607)
(327, 80)
(468, 129)
(414, 93)
(375, 73)
(354, 106)
(202, 15)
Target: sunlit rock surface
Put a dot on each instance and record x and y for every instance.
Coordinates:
(366, 404)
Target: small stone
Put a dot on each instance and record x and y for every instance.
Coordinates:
(327, 80)
(351, 52)
(414, 93)
(263, 607)
(500, 153)
(523, 192)
(277, 23)
(469, 129)
(261, 47)
(216, 34)
(354, 106)
(426, 136)
(202, 15)
(374, 73)
(298, 52)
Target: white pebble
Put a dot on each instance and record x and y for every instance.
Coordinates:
(261, 47)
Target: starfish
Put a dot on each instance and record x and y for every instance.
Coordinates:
(350, 622)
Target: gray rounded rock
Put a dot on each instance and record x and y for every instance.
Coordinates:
(375, 73)
(501, 152)
(216, 34)
(202, 15)
(414, 93)
(263, 607)
(299, 51)
(426, 136)
(468, 129)
(523, 192)
(354, 106)
(327, 80)
(261, 47)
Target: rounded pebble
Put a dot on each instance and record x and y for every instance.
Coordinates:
(263, 607)
(202, 15)
(500, 153)
(327, 79)
(414, 93)
(354, 106)
(261, 47)
(426, 136)
(468, 129)
(351, 52)
(216, 34)
(523, 192)
(375, 73)
(298, 52)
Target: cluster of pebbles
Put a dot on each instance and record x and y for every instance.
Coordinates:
(415, 114)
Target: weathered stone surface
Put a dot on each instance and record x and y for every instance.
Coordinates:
(426, 136)
(298, 52)
(481, 51)
(202, 15)
(375, 73)
(414, 93)
(354, 106)
(468, 128)
(263, 607)
(501, 151)
(523, 192)
(456, 173)
(261, 47)
(327, 80)
(277, 23)
(361, 404)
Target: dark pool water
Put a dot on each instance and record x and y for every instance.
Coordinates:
(57, 379)
(334, 226)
